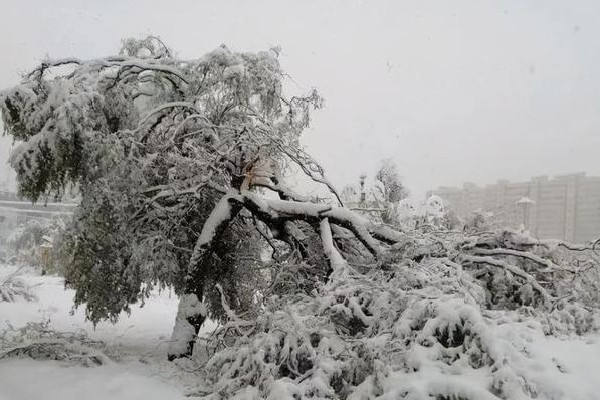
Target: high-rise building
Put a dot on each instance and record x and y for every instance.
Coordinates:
(565, 207)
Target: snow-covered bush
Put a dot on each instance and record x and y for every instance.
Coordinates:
(13, 288)
(31, 243)
(481, 221)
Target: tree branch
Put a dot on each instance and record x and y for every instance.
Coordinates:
(514, 270)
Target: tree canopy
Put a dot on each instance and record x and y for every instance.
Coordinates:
(165, 154)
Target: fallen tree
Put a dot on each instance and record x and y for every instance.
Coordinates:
(441, 315)
(181, 169)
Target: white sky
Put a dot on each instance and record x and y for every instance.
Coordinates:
(453, 90)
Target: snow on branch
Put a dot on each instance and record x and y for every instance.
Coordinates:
(163, 107)
(144, 65)
(512, 269)
(336, 260)
(523, 254)
(277, 209)
(217, 221)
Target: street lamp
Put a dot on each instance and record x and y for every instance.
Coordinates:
(526, 204)
(363, 194)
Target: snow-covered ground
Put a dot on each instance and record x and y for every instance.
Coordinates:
(50, 380)
(580, 361)
(141, 339)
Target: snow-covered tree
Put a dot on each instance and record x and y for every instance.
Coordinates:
(390, 187)
(169, 156)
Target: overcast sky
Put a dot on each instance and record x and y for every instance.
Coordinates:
(454, 91)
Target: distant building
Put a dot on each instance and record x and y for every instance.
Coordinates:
(565, 207)
(15, 211)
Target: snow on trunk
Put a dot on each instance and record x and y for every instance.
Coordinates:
(190, 315)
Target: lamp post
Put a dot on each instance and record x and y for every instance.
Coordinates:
(363, 194)
(525, 203)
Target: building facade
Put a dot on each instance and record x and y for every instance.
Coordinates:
(565, 207)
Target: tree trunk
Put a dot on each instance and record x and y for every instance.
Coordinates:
(191, 314)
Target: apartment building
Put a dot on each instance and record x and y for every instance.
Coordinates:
(563, 207)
